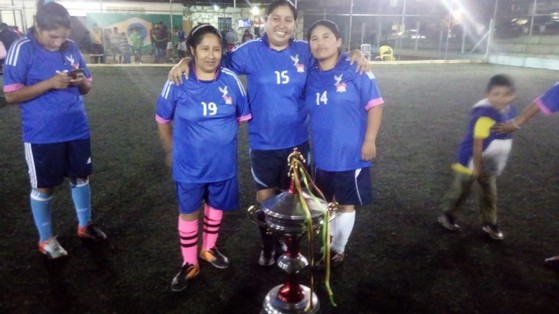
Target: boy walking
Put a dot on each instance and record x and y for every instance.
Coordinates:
(481, 157)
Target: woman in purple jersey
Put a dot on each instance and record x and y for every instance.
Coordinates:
(276, 67)
(46, 75)
(201, 142)
(345, 111)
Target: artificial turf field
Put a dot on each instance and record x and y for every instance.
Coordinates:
(399, 259)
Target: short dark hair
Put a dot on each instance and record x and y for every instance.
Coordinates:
(500, 80)
(52, 15)
(278, 3)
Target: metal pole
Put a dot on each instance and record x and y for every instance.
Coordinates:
(447, 35)
(417, 26)
(532, 17)
(350, 25)
(402, 28)
(171, 14)
(489, 38)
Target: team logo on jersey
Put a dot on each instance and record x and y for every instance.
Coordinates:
(299, 66)
(340, 86)
(72, 61)
(228, 100)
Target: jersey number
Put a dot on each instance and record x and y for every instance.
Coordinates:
(282, 77)
(210, 109)
(322, 98)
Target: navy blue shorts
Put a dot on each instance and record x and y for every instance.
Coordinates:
(352, 187)
(269, 167)
(49, 164)
(223, 195)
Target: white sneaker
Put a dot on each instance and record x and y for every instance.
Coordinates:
(52, 249)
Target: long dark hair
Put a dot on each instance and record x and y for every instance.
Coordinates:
(51, 15)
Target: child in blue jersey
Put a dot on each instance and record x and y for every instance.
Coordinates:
(481, 157)
(46, 75)
(202, 144)
(276, 67)
(345, 110)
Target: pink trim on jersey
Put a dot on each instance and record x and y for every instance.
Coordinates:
(161, 120)
(374, 102)
(244, 118)
(13, 87)
(542, 107)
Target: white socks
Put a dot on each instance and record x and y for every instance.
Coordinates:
(341, 228)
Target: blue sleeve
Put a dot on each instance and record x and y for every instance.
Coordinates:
(550, 99)
(238, 60)
(166, 103)
(16, 66)
(369, 92)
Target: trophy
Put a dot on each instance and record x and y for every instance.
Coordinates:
(291, 214)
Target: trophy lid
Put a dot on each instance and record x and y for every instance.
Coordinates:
(287, 205)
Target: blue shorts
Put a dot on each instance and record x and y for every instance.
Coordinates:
(49, 164)
(222, 195)
(352, 187)
(269, 167)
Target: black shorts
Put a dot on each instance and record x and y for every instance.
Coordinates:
(49, 164)
(269, 167)
(352, 187)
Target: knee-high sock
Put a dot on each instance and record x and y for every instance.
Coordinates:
(212, 221)
(188, 235)
(344, 227)
(81, 195)
(40, 207)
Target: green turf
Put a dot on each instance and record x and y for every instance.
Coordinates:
(399, 259)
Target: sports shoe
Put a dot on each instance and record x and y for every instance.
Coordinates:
(52, 249)
(91, 232)
(265, 259)
(184, 276)
(552, 261)
(493, 231)
(448, 222)
(214, 257)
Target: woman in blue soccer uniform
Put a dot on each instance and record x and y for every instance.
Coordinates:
(45, 74)
(276, 67)
(202, 144)
(345, 110)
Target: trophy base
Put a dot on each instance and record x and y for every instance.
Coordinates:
(272, 305)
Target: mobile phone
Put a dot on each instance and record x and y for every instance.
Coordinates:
(74, 73)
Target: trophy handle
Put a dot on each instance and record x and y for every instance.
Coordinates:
(252, 213)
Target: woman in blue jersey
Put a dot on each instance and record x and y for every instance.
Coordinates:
(202, 144)
(276, 67)
(345, 110)
(46, 75)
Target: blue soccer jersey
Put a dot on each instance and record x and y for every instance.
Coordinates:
(57, 115)
(275, 86)
(496, 147)
(205, 119)
(549, 101)
(338, 101)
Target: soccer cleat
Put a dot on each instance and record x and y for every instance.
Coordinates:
(214, 257)
(265, 259)
(91, 232)
(493, 231)
(52, 249)
(448, 222)
(184, 276)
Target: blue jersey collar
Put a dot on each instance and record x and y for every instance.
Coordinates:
(267, 42)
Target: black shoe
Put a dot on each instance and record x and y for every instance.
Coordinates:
(448, 222)
(91, 232)
(493, 231)
(214, 257)
(185, 275)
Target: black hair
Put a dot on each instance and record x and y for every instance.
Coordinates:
(51, 16)
(197, 34)
(326, 23)
(500, 80)
(279, 3)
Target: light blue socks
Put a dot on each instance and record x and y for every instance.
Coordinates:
(40, 206)
(81, 195)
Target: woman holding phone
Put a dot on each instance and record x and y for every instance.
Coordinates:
(46, 75)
